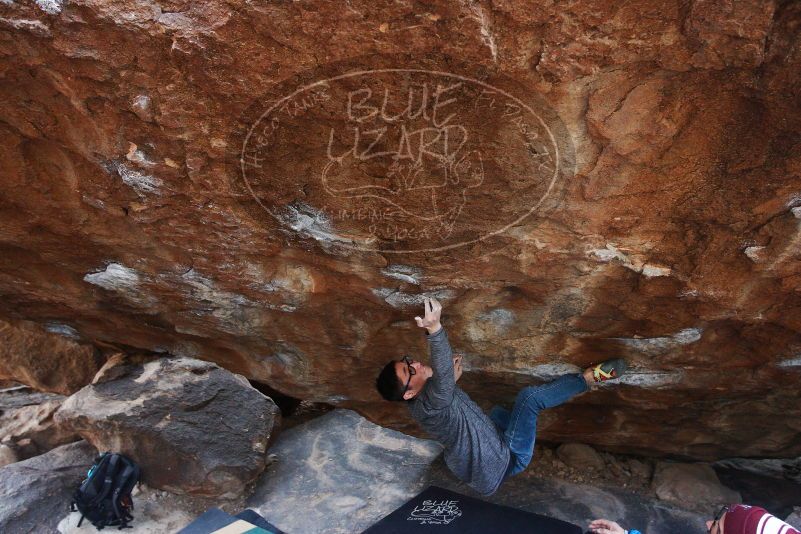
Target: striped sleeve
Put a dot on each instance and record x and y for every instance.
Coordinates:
(769, 524)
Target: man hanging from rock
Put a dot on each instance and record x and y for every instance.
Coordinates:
(480, 450)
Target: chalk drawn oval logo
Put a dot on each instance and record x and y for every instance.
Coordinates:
(402, 160)
(435, 512)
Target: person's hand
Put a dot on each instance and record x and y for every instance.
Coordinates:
(604, 526)
(430, 319)
(457, 367)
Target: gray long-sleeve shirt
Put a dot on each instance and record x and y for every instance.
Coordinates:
(474, 450)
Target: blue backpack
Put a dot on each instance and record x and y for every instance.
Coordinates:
(104, 498)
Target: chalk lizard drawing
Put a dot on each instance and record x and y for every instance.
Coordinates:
(437, 197)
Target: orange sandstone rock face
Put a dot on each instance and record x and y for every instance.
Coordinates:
(46, 358)
(276, 187)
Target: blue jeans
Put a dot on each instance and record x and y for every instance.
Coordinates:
(519, 427)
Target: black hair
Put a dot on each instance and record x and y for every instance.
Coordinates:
(388, 384)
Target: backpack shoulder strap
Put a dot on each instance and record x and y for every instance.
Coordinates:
(109, 480)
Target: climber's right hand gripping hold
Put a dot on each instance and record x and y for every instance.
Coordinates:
(431, 318)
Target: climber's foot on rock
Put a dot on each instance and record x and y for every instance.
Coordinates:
(608, 370)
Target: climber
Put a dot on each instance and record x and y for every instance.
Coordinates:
(731, 519)
(480, 450)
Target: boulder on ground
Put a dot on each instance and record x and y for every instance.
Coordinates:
(35, 493)
(693, 484)
(26, 422)
(580, 456)
(45, 361)
(344, 471)
(192, 426)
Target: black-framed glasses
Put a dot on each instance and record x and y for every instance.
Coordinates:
(718, 515)
(412, 372)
